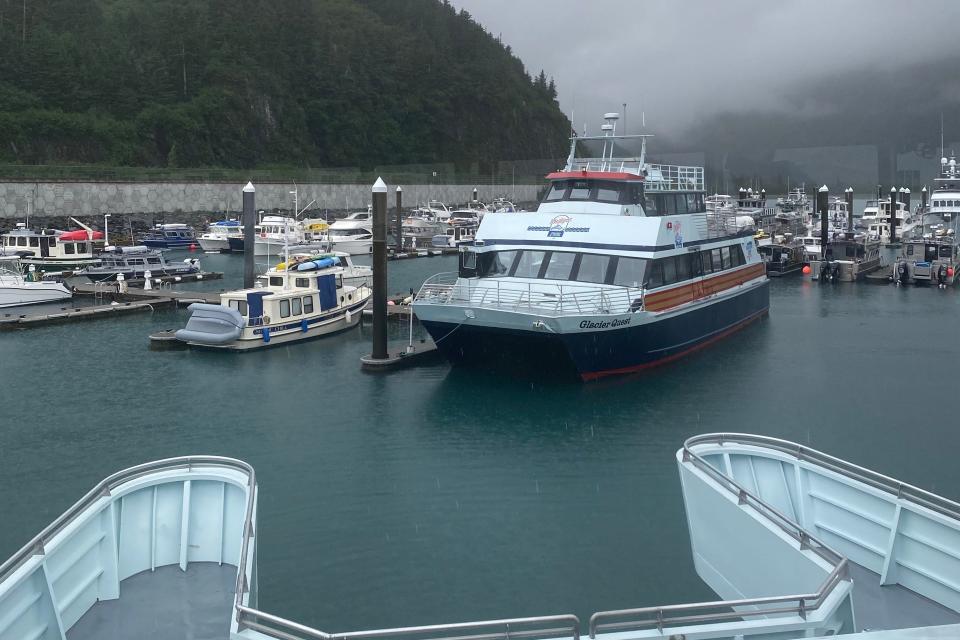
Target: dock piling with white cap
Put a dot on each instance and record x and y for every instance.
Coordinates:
(249, 237)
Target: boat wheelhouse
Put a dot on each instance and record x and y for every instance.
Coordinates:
(169, 236)
(945, 198)
(50, 250)
(353, 234)
(783, 258)
(294, 305)
(876, 219)
(620, 268)
(352, 274)
(455, 234)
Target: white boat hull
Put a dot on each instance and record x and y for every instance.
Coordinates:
(353, 247)
(214, 244)
(269, 247)
(32, 293)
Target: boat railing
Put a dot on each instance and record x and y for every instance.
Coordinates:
(658, 177)
(559, 626)
(722, 223)
(733, 610)
(539, 297)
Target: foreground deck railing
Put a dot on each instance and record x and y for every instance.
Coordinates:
(541, 298)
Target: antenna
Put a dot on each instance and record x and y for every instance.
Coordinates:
(941, 134)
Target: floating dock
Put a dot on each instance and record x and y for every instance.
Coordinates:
(427, 252)
(66, 314)
(421, 353)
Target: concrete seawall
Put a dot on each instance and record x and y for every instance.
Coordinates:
(96, 198)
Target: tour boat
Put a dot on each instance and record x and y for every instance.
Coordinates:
(620, 268)
(796, 544)
(47, 250)
(223, 236)
(293, 305)
(169, 236)
(135, 262)
(17, 289)
(353, 234)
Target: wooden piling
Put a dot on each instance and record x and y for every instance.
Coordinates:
(893, 215)
(823, 207)
(399, 232)
(379, 270)
(848, 195)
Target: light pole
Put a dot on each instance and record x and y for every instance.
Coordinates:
(106, 230)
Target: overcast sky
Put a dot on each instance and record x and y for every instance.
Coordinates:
(676, 60)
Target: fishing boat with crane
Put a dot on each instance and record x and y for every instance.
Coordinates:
(620, 268)
(51, 250)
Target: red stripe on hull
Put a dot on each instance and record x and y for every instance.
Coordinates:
(595, 375)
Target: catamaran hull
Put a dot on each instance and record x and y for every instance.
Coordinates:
(591, 354)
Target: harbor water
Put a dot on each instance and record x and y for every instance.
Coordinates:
(435, 495)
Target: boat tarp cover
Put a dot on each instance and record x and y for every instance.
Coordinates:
(211, 324)
(255, 303)
(328, 291)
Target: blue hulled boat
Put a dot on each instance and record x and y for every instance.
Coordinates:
(169, 236)
(622, 267)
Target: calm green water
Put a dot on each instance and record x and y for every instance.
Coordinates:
(433, 495)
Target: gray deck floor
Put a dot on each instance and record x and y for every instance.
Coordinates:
(166, 604)
(893, 607)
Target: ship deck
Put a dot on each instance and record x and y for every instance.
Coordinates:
(893, 606)
(166, 604)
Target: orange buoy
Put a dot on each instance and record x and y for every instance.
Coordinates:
(949, 272)
(192, 247)
(806, 269)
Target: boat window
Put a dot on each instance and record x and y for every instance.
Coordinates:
(736, 256)
(670, 205)
(681, 202)
(495, 263)
(559, 266)
(276, 281)
(655, 274)
(303, 282)
(909, 249)
(635, 193)
(692, 202)
(683, 267)
(650, 206)
(308, 304)
(528, 266)
(239, 305)
(669, 271)
(297, 306)
(34, 242)
(284, 308)
(725, 255)
(593, 268)
(21, 242)
(579, 190)
(136, 261)
(153, 260)
(629, 272)
(468, 260)
(53, 242)
(930, 253)
(609, 191)
(557, 189)
(946, 252)
(67, 247)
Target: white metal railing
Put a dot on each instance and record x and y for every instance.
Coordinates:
(541, 297)
(659, 177)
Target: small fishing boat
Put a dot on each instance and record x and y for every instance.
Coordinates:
(847, 258)
(49, 249)
(17, 288)
(292, 306)
(169, 236)
(783, 256)
(419, 230)
(134, 262)
(930, 260)
(223, 236)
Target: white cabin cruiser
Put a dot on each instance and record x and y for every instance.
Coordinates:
(295, 305)
(353, 274)
(876, 219)
(621, 268)
(17, 288)
(353, 234)
(222, 236)
(276, 233)
(795, 543)
(945, 198)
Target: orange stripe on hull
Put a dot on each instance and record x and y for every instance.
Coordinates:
(664, 300)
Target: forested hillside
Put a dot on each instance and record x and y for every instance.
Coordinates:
(245, 83)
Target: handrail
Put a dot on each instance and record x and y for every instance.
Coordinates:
(901, 490)
(106, 486)
(655, 616)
